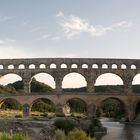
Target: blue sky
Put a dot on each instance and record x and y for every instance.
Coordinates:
(69, 28)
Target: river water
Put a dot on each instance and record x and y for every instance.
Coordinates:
(120, 131)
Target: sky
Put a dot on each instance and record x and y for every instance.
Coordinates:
(70, 28)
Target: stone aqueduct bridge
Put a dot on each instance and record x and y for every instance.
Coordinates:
(58, 68)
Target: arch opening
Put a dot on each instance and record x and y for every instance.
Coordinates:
(111, 108)
(133, 66)
(42, 107)
(123, 66)
(75, 107)
(42, 82)
(10, 108)
(74, 82)
(52, 66)
(11, 66)
(95, 66)
(11, 83)
(85, 66)
(136, 83)
(104, 66)
(137, 111)
(1, 67)
(63, 66)
(21, 66)
(114, 66)
(74, 66)
(31, 66)
(109, 83)
(42, 66)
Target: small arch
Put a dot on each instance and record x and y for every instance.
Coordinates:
(95, 66)
(123, 66)
(74, 66)
(11, 66)
(31, 66)
(133, 66)
(85, 66)
(104, 66)
(53, 66)
(114, 66)
(1, 67)
(63, 66)
(21, 66)
(42, 66)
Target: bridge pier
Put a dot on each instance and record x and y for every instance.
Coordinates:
(91, 110)
(26, 111)
(130, 113)
(59, 110)
(26, 86)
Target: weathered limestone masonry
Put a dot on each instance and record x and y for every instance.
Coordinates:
(90, 68)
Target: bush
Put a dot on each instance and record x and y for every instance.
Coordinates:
(65, 125)
(4, 136)
(59, 135)
(78, 135)
(20, 136)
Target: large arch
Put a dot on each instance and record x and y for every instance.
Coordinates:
(113, 107)
(109, 82)
(75, 106)
(42, 82)
(74, 80)
(136, 83)
(9, 78)
(42, 106)
(10, 107)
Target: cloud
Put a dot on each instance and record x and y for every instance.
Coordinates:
(74, 25)
(56, 38)
(45, 36)
(5, 18)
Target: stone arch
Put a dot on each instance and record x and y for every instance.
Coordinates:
(84, 66)
(109, 76)
(123, 66)
(75, 105)
(133, 66)
(63, 66)
(42, 66)
(9, 104)
(95, 66)
(43, 105)
(46, 78)
(21, 66)
(74, 66)
(72, 79)
(104, 66)
(136, 83)
(11, 66)
(1, 67)
(114, 66)
(53, 66)
(10, 78)
(32, 66)
(120, 103)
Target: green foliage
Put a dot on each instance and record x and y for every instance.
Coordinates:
(78, 135)
(18, 85)
(11, 104)
(20, 136)
(77, 105)
(59, 135)
(7, 89)
(43, 105)
(39, 87)
(4, 136)
(16, 136)
(65, 125)
(113, 109)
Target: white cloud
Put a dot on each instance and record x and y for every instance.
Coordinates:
(45, 36)
(74, 25)
(5, 18)
(56, 38)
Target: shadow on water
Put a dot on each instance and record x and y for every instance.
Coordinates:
(119, 131)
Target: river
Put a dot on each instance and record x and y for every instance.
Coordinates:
(120, 131)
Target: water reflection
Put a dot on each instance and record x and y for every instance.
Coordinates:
(119, 131)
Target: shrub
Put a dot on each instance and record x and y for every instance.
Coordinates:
(78, 135)
(65, 125)
(59, 135)
(20, 136)
(4, 136)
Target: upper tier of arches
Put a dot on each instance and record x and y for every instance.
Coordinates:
(67, 63)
